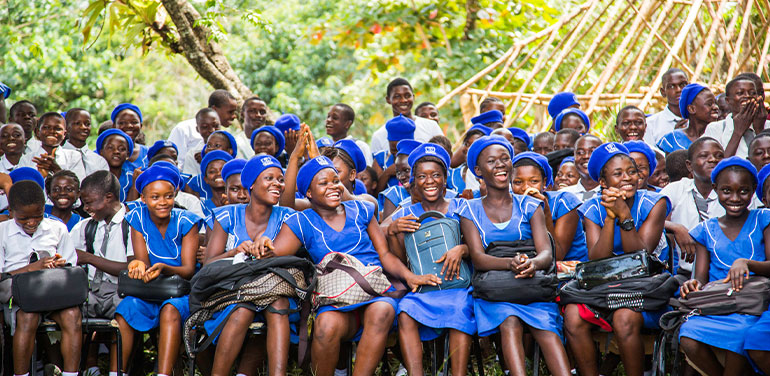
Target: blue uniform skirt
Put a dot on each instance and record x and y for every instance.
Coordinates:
(442, 309)
(144, 316)
(218, 317)
(725, 332)
(539, 315)
(354, 307)
(758, 337)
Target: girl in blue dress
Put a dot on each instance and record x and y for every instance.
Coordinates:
(348, 159)
(393, 196)
(349, 227)
(128, 118)
(165, 241)
(645, 160)
(422, 316)
(698, 105)
(234, 229)
(728, 248)
(501, 215)
(756, 345)
(115, 146)
(621, 219)
(532, 175)
(211, 177)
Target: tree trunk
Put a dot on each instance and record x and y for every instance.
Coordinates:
(204, 54)
(471, 7)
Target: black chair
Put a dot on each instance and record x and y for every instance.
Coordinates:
(255, 329)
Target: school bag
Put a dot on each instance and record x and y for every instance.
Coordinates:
(429, 243)
(617, 268)
(637, 293)
(91, 234)
(344, 280)
(50, 289)
(158, 290)
(503, 286)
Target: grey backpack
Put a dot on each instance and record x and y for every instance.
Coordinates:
(429, 243)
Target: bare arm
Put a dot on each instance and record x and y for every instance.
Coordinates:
(564, 233)
(108, 266)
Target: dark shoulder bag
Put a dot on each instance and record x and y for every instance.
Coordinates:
(617, 268)
(429, 243)
(156, 291)
(50, 289)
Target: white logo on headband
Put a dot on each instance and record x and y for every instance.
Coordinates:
(266, 161)
(611, 148)
(430, 149)
(322, 161)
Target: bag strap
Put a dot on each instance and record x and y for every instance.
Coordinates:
(124, 227)
(360, 280)
(91, 235)
(431, 214)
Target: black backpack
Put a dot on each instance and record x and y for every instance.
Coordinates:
(640, 293)
(91, 234)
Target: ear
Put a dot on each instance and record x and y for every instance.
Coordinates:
(691, 108)
(663, 89)
(688, 164)
(477, 171)
(387, 99)
(603, 183)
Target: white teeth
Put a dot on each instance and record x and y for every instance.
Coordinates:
(274, 191)
(501, 174)
(11, 145)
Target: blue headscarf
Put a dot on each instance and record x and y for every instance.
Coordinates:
(688, 96)
(400, 128)
(479, 127)
(642, 147)
(232, 167)
(287, 122)
(230, 139)
(324, 142)
(255, 166)
(482, 143)
(110, 132)
(602, 155)
(214, 155)
(158, 172)
(406, 146)
(160, 144)
(27, 173)
(570, 159)
(541, 161)
(559, 118)
(5, 91)
(427, 150)
(492, 116)
(125, 106)
(734, 161)
(354, 152)
(309, 170)
(275, 132)
(560, 101)
(520, 134)
(763, 175)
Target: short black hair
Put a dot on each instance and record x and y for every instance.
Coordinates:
(47, 115)
(18, 104)
(547, 135)
(72, 112)
(103, 182)
(697, 145)
(573, 134)
(676, 168)
(423, 104)
(624, 110)
(204, 111)
(254, 99)
(219, 98)
(529, 162)
(371, 172)
(759, 85)
(159, 157)
(25, 193)
(397, 82)
(759, 135)
(61, 173)
(350, 114)
(487, 101)
(737, 79)
(472, 133)
(670, 72)
(442, 141)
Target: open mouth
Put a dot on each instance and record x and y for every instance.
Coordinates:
(633, 135)
(63, 201)
(333, 195)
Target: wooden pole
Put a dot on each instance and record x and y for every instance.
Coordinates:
(715, 22)
(637, 66)
(721, 50)
(763, 57)
(741, 35)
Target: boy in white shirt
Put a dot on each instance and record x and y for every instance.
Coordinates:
(49, 156)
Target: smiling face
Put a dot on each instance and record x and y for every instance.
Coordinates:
(236, 193)
(227, 112)
(265, 143)
(566, 176)
(209, 123)
(213, 175)
(218, 141)
(494, 166)
(631, 125)
(659, 178)
(620, 172)
(346, 174)
(739, 95)
(759, 153)
(26, 116)
(643, 168)
(735, 187)
(326, 189)
(428, 112)
(337, 123)
(254, 115)
(128, 121)
(79, 127)
(28, 217)
(12, 139)
(115, 151)
(527, 177)
(268, 187)
(52, 132)
(401, 99)
(64, 192)
(403, 170)
(429, 181)
(704, 159)
(96, 204)
(704, 108)
(584, 147)
(159, 198)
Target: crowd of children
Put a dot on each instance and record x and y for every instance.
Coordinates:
(687, 184)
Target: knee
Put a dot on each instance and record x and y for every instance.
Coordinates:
(627, 323)
(280, 304)
(573, 323)
(690, 346)
(406, 322)
(170, 316)
(327, 330)
(71, 319)
(241, 317)
(27, 321)
(512, 325)
(379, 315)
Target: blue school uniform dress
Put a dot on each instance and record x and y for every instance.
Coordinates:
(644, 201)
(142, 315)
(455, 181)
(385, 160)
(232, 218)
(74, 219)
(394, 194)
(430, 308)
(489, 315)
(760, 333)
(142, 161)
(560, 204)
(126, 180)
(200, 187)
(728, 331)
(319, 239)
(674, 140)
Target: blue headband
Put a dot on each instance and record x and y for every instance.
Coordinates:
(400, 128)
(275, 132)
(164, 164)
(576, 111)
(482, 128)
(232, 167)
(602, 155)
(125, 106)
(5, 91)
(560, 101)
(541, 161)
(482, 143)
(287, 122)
(354, 152)
(763, 175)
(214, 155)
(520, 134)
(407, 146)
(255, 166)
(324, 142)
(427, 150)
(734, 161)
(160, 144)
(27, 173)
(230, 139)
(158, 172)
(642, 147)
(492, 116)
(309, 170)
(110, 132)
(570, 159)
(688, 95)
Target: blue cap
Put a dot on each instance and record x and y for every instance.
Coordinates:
(492, 116)
(287, 122)
(688, 95)
(27, 173)
(734, 161)
(158, 172)
(309, 170)
(520, 134)
(570, 159)
(400, 128)
(275, 132)
(763, 174)
(324, 142)
(482, 128)
(427, 150)
(232, 167)
(642, 147)
(354, 152)
(559, 118)
(5, 91)
(407, 146)
(110, 132)
(482, 143)
(125, 106)
(602, 155)
(160, 144)
(255, 166)
(230, 139)
(214, 155)
(541, 161)
(560, 101)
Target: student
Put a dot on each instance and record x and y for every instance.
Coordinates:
(392, 197)
(567, 175)
(78, 122)
(645, 160)
(210, 181)
(562, 101)
(165, 241)
(400, 97)
(235, 192)
(206, 123)
(673, 82)
(12, 146)
(492, 119)
(369, 178)
(755, 345)
(348, 159)
(532, 175)
(398, 128)
(521, 139)
(48, 157)
(63, 189)
(163, 147)
(759, 150)
(748, 118)
(428, 111)
(24, 113)
(460, 155)
(543, 143)
(268, 140)
(338, 122)
(5, 92)
(349, 227)
(565, 139)
(115, 146)
(128, 118)
(501, 215)
(423, 316)
(586, 187)
(235, 228)
(728, 248)
(572, 118)
(676, 168)
(442, 141)
(693, 199)
(659, 176)
(254, 113)
(30, 243)
(289, 125)
(724, 108)
(631, 124)
(639, 217)
(698, 105)
(492, 103)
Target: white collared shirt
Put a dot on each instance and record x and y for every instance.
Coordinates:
(660, 124)
(245, 150)
(6, 166)
(115, 251)
(50, 238)
(91, 161)
(580, 191)
(185, 136)
(32, 144)
(722, 131)
(425, 130)
(364, 149)
(190, 202)
(67, 160)
(191, 166)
